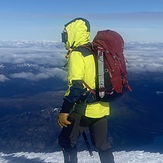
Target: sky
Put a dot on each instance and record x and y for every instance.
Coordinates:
(136, 20)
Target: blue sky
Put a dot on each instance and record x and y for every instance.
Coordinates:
(135, 20)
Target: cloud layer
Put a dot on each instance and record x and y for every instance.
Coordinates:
(144, 57)
(36, 61)
(31, 61)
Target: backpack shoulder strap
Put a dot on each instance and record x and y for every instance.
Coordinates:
(85, 49)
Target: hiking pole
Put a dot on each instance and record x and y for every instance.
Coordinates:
(87, 144)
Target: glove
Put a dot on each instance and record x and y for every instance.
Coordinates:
(62, 120)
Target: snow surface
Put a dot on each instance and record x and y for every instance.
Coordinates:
(56, 157)
(137, 156)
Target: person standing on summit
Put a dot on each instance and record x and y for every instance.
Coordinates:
(79, 111)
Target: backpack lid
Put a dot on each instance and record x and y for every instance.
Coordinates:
(109, 39)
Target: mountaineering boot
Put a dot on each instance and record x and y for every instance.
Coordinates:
(106, 156)
(70, 155)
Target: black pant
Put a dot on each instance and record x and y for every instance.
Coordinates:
(98, 133)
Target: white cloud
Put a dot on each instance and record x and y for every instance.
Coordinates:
(38, 52)
(3, 78)
(143, 57)
(33, 60)
(43, 74)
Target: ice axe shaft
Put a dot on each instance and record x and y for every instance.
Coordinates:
(87, 144)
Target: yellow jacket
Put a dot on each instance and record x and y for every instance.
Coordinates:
(81, 67)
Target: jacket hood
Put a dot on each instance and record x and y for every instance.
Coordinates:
(78, 33)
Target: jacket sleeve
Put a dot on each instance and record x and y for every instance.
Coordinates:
(75, 81)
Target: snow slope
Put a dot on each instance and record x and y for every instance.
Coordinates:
(137, 156)
(56, 157)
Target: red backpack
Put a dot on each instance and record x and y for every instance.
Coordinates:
(111, 82)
